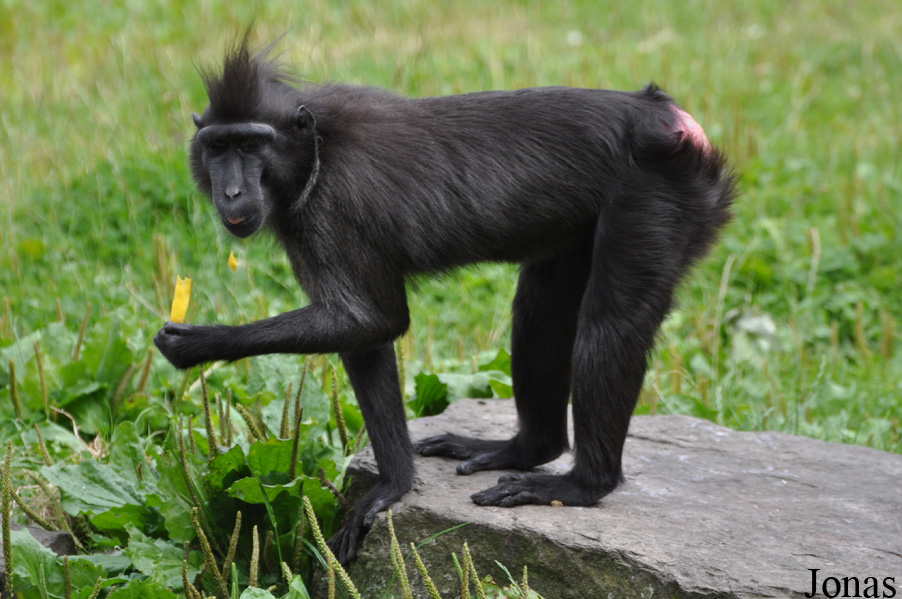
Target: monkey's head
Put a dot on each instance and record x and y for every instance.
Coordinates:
(246, 167)
(255, 150)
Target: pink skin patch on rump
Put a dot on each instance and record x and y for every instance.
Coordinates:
(690, 129)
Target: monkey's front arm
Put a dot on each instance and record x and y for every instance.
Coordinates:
(313, 329)
(365, 346)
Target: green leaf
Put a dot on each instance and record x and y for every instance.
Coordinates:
(297, 589)
(119, 518)
(21, 353)
(272, 455)
(143, 589)
(127, 455)
(160, 560)
(54, 433)
(467, 385)
(431, 395)
(79, 388)
(57, 344)
(501, 362)
(30, 556)
(91, 487)
(172, 497)
(249, 489)
(113, 564)
(255, 593)
(225, 468)
(324, 502)
(502, 390)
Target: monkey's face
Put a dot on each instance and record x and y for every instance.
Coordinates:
(229, 164)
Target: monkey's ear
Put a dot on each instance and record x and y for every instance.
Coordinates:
(303, 118)
(198, 122)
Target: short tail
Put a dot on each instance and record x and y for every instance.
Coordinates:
(673, 144)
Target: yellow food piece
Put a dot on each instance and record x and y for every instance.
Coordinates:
(233, 261)
(180, 300)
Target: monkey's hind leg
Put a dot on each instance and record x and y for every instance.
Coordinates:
(635, 268)
(544, 328)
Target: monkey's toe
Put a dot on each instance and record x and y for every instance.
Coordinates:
(448, 445)
(540, 489)
(346, 541)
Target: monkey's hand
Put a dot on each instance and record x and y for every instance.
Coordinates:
(185, 345)
(345, 542)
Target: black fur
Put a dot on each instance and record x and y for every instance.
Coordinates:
(599, 194)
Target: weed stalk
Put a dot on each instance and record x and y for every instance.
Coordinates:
(339, 413)
(6, 507)
(332, 562)
(123, 384)
(469, 565)
(233, 547)
(45, 401)
(145, 371)
(255, 557)
(95, 592)
(424, 574)
(227, 417)
(81, 333)
(13, 391)
(212, 441)
(6, 323)
(285, 424)
(861, 338)
(191, 591)
(209, 560)
(31, 514)
(325, 482)
(398, 560)
(252, 425)
(68, 570)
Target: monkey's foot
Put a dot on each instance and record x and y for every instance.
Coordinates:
(488, 454)
(542, 489)
(345, 542)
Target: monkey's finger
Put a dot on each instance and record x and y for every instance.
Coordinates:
(176, 328)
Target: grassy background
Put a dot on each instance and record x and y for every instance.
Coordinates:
(792, 324)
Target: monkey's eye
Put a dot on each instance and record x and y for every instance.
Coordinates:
(217, 144)
(249, 144)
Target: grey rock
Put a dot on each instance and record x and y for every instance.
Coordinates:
(705, 512)
(59, 542)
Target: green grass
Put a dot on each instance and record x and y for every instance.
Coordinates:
(98, 206)
(792, 324)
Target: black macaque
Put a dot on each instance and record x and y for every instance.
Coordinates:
(604, 197)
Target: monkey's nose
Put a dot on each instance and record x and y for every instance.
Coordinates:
(232, 192)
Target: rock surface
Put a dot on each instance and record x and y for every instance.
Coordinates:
(60, 542)
(705, 512)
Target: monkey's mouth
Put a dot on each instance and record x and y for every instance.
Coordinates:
(241, 226)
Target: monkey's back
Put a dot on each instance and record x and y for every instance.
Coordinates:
(497, 176)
